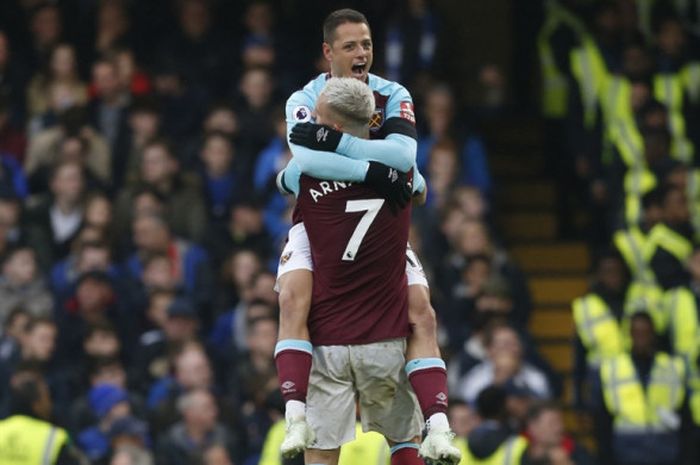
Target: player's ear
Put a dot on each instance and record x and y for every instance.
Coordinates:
(338, 127)
(327, 51)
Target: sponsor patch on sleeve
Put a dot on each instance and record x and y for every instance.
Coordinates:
(302, 114)
(407, 112)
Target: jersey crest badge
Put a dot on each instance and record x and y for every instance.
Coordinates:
(302, 114)
(377, 119)
(285, 258)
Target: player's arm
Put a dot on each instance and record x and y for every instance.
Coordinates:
(420, 188)
(316, 163)
(397, 149)
(288, 179)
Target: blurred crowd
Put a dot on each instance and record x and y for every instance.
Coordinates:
(621, 98)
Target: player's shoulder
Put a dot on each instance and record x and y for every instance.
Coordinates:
(392, 89)
(308, 93)
(301, 103)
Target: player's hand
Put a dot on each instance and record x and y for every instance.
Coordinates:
(391, 184)
(315, 136)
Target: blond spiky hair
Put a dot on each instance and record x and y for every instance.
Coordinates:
(350, 99)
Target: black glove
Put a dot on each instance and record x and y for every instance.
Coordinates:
(315, 136)
(391, 184)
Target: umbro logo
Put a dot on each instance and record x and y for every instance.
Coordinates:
(287, 385)
(321, 134)
(393, 175)
(441, 396)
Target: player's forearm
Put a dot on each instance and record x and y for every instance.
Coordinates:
(328, 165)
(419, 185)
(420, 189)
(397, 151)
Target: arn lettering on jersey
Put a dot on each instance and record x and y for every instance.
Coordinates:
(327, 187)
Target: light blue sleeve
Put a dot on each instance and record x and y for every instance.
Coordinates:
(288, 179)
(321, 165)
(418, 181)
(396, 150)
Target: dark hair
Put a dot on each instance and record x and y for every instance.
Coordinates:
(220, 135)
(38, 321)
(259, 319)
(496, 326)
(97, 364)
(491, 403)
(15, 313)
(642, 315)
(539, 407)
(150, 190)
(145, 104)
(25, 388)
(338, 17)
(14, 249)
(102, 326)
(162, 142)
(653, 198)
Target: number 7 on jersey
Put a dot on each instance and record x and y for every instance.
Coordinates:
(371, 208)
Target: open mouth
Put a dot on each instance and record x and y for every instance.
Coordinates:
(358, 69)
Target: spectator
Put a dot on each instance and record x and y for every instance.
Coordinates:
(113, 27)
(671, 240)
(86, 256)
(631, 427)
(244, 229)
(102, 370)
(57, 87)
(12, 330)
(144, 125)
(220, 117)
(191, 370)
(410, 55)
(59, 217)
(548, 442)
(24, 433)
(504, 363)
(273, 157)
(185, 206)
(188, 261)
(491, 439)
(109, 108)
(187, 440)
(600, 317)
(681, 309)
(98, 212)
(46, 25)
(12, 96)
(21, 285)
(259, 39)
(108, 403)
(255, 114)
(216, 454)
(95, 302)
(131, 77)
(128, 455)
(46, 146)
(175, 323)
(471, 164)
(198, 51)
(223, 185)
(13, 142)
(472, 238)
(37, 343)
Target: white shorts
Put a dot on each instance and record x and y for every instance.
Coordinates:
(296, 255)
(374, 375)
